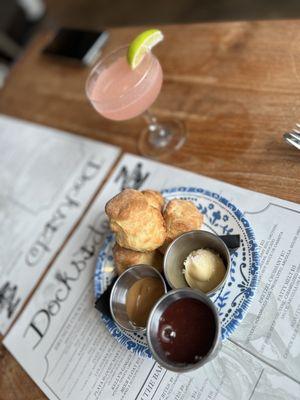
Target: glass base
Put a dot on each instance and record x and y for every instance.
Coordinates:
(162, 138)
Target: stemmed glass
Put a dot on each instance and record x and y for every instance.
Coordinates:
(118, 92)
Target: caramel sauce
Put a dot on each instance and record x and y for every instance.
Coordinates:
(140, 299)
(186, 331)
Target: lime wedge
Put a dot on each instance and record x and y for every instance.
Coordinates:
(143, 43)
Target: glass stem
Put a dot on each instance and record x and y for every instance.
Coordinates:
(158, 136)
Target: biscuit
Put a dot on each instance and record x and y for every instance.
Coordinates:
(125, 258)
(138, 225)
(154, 198)
(180, 216)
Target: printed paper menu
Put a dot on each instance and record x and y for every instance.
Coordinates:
(63, 345)
(47, 179)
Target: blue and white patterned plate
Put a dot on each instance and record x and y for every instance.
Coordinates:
(220, 217)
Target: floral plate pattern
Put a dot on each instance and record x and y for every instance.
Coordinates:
(232, 300)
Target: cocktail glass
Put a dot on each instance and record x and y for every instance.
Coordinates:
(119, 93)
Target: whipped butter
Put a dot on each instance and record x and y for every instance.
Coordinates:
(204, 270)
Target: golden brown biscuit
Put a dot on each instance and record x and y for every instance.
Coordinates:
(138, 226)
(154, 198)
(125, 258)
(180, 216)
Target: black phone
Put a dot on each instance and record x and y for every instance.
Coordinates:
(81, 45)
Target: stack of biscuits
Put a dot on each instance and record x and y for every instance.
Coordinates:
(144, 226)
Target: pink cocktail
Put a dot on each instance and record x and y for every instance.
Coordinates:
(119, 93)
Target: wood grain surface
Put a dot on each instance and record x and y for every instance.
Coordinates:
(236, 86)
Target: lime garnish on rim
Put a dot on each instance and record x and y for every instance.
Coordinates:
(143, 43)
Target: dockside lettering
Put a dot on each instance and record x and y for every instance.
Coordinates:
(65, 280)
(42, 244)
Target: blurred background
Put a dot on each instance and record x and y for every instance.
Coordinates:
(21, 19)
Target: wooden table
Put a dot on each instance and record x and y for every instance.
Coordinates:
(235, 85)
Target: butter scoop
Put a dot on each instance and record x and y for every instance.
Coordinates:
(204, 269)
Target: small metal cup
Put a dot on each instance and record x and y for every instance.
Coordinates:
(182, 246)
(119, 293)
(153, 324)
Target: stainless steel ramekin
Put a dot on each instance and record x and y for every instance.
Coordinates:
(119, 293)
(153, 324)
(182, 246)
